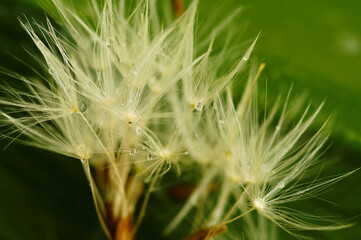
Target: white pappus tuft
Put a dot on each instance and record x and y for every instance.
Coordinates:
(127, 92)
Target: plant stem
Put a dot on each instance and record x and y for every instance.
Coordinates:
(203, 233)
(146, 200)
(210, 232)
(96, 199)
(124, 229)
(178, 7)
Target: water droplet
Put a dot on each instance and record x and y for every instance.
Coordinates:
(82, 107)
(139, 131)
(83, 161)
(131, 117)
(82, 152)
(135, 71)
(199, 107)
(108, 42)
(278, 127)
(133, 151)
(150, 157)
(249, 50)
(280, 185)
(52, 73)
(186, 153)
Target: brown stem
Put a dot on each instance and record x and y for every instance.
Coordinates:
(205, 233)
(210, 232)
(178, 7)
(146, 200)
(124, 229)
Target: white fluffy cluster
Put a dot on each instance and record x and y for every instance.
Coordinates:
(133, 95)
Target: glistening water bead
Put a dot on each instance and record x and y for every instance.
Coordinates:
(108, 42)
(133, 151)
(139, 131)
(199, 107)
(82, 107)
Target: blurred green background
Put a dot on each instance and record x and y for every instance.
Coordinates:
(315, 45)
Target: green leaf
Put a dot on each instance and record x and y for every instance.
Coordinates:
(317, 46)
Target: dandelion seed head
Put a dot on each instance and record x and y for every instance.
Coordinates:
(165, 154)
(156, 88)
(138, 86)
(235, 178)
(83, 152)
(110, 102)
(131, 117)
(259, 204)
(75, 109)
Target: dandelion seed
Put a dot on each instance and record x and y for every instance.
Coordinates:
(165, 154)
(131, 117)
(134, 90)
(259, 204)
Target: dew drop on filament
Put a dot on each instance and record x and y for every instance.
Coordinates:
(280, 185)
(51, 72)
(108, 42)
(138, 131)
(82, 107)
(133, 151)
(199, 107)
(135, 71)
(149, 157)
